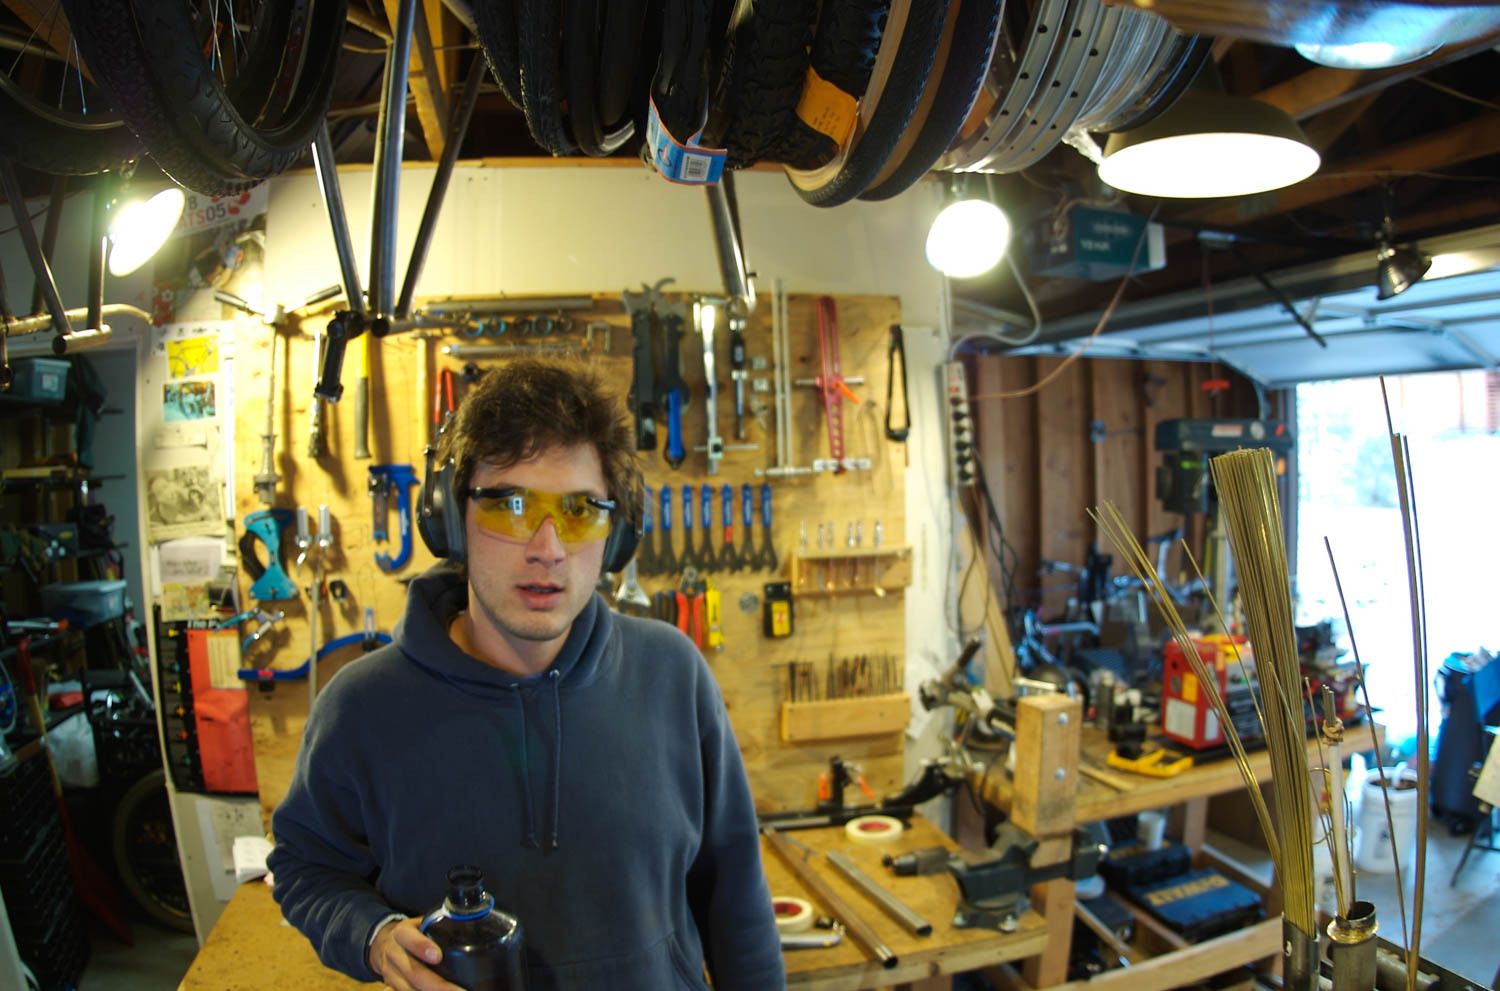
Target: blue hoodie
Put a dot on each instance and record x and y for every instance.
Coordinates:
(604, 799)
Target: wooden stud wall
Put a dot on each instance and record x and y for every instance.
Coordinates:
(751, 669)
(1086, 437)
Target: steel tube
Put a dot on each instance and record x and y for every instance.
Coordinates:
(390, 134)
(730, 249)
(1353, 948)
(97, 240)
(34, 253)
(823, 891)
(1299, 958)
(439, 189)
(338, 218)
(894, 907)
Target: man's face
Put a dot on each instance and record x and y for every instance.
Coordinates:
(529, 591)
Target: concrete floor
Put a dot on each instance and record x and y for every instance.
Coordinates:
(157, 962)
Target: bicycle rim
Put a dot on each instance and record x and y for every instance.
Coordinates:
(145, 849)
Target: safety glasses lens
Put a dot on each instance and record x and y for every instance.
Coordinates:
(520, 513)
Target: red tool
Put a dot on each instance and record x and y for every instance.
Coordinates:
(443, 404)
(831, 380)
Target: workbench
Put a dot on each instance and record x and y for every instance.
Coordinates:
(1101, 792)
(252, 949)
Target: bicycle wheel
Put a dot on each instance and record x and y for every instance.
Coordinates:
(896, 102)
(52, 117)
(218, 107)
(495, 23)
(540, 34)
(145, 848)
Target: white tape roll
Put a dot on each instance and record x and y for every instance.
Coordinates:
(793, 915)
(871, 830)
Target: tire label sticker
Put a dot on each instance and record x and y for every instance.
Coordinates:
(827, 109)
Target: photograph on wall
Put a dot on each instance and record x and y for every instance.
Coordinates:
(183, 501)
(192, 356)
(219, 244)
(183, 601)
(191, 400)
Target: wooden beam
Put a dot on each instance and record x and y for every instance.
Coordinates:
(47, 20)
(1191, 964)
(1326, 128)
(425, 81)
(1476, 138)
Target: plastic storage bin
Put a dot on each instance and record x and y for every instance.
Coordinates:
(41, 379)
(86, 602)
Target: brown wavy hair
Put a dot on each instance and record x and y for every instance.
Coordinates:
(529, 405)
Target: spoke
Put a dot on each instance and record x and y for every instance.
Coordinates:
(234, 33)
(83, 99)
(213, 32)
(26, 45)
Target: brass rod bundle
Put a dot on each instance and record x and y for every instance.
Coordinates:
(1246, 485)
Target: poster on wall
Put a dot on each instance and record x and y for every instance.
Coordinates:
(219, 244)
(183, 501)
(190, 400)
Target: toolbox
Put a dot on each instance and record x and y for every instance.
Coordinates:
(1134, 867)
(41, 379)
(1200, 904)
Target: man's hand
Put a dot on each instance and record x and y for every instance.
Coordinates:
(401, 955)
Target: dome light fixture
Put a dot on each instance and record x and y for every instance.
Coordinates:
(138, 228)
(1207, 144)
(968, 238)
(1397, 269)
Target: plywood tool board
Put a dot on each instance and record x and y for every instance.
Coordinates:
(848, 601)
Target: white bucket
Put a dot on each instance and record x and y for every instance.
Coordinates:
(1373, 851)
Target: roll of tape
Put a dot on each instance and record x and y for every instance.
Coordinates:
(793, 915)
(870, 830)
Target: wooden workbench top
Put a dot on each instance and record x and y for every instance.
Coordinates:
(1138, 793)
(252, 948)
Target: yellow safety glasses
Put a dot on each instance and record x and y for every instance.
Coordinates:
(516, 514)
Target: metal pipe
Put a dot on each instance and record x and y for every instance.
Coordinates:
(519, 304)
(390, 134)
(338, 218)
(1299, 958)
(894, 907)
(1352, 951)
(737, 282)
(823, 891)
(501, 350)
(17, 200)
(439, 189)
(49, 232)
(99, 237)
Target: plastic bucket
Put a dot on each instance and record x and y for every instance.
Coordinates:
(1373, 851)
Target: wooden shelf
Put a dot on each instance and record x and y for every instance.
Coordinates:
(837, 719)
(852, 571)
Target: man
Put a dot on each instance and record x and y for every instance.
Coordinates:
(581, 759)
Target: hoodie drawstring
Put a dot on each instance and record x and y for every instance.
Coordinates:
(556, 679)
(525, 772)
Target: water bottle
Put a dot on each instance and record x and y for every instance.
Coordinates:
(482, 946)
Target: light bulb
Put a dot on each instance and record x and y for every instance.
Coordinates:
(968, 238)
(139, 229)
(1207, 164)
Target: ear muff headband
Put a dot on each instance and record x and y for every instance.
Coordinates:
(440, 517)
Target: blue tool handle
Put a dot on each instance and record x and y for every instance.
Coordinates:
(666, 509)
(747, 507)
(647, 514)
(765, 505)
(706, 507)
(727, 503)
(402, 478)
(675, 452)
(687, 508)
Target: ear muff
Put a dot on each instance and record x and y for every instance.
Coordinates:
(625, 531)
(440, 518)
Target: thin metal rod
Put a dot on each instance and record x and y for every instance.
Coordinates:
(823, 891)
(17, 200)
(894, 907)
(390, 134)
(97, 240)
(338, 218)
(727, 240)
(438, 192)
(49, 231)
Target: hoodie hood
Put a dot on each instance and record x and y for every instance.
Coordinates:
(442, 592)
(432, 600)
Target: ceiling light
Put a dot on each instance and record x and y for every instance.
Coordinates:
(138, 229)
(968, 238)
(1398, 269)
(1210, 144)
(1367, 54)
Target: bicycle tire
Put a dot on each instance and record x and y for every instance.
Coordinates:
(539, 31)
(1194, 51)
(973, 46)
(154, 881)
(679, 85)
(765, 78)
(913, 63)
(495, 24)
(58, 142)
(845, 46)
(155, 74)
(620, 50)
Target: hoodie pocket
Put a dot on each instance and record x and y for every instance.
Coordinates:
(661, 965)
(691, 975)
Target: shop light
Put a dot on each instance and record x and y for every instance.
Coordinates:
(138, 228)
(968, 238)
(1398, 269)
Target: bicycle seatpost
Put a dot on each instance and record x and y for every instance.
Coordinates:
(343, 328)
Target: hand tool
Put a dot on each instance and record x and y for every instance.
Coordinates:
(707, 559)
(664, 606)
(895, 365)
(765, 558)
(630, 597)
(737, 372)
(265, 622)
(269, 581)
(672, 391)
(643, 389)
(705, 317)
(443, 403)
(928, 860)
(646, 556)
(729, 555)
(856, 926)
(303, 540)
(713, 627)
(747, 534)
(692, 607)
(894, 907)
(780, 375)
(315, 445)
(266, 478)
(397, 479)
(1153, 764)
(811, 941)
(831, 381)
(667, 558)
(690, 557)
(362, 397)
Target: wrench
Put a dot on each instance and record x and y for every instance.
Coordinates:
(647, 554)
(709, 560)
(667, 557)
(690, 557)
(630, 597)
(729, 555)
